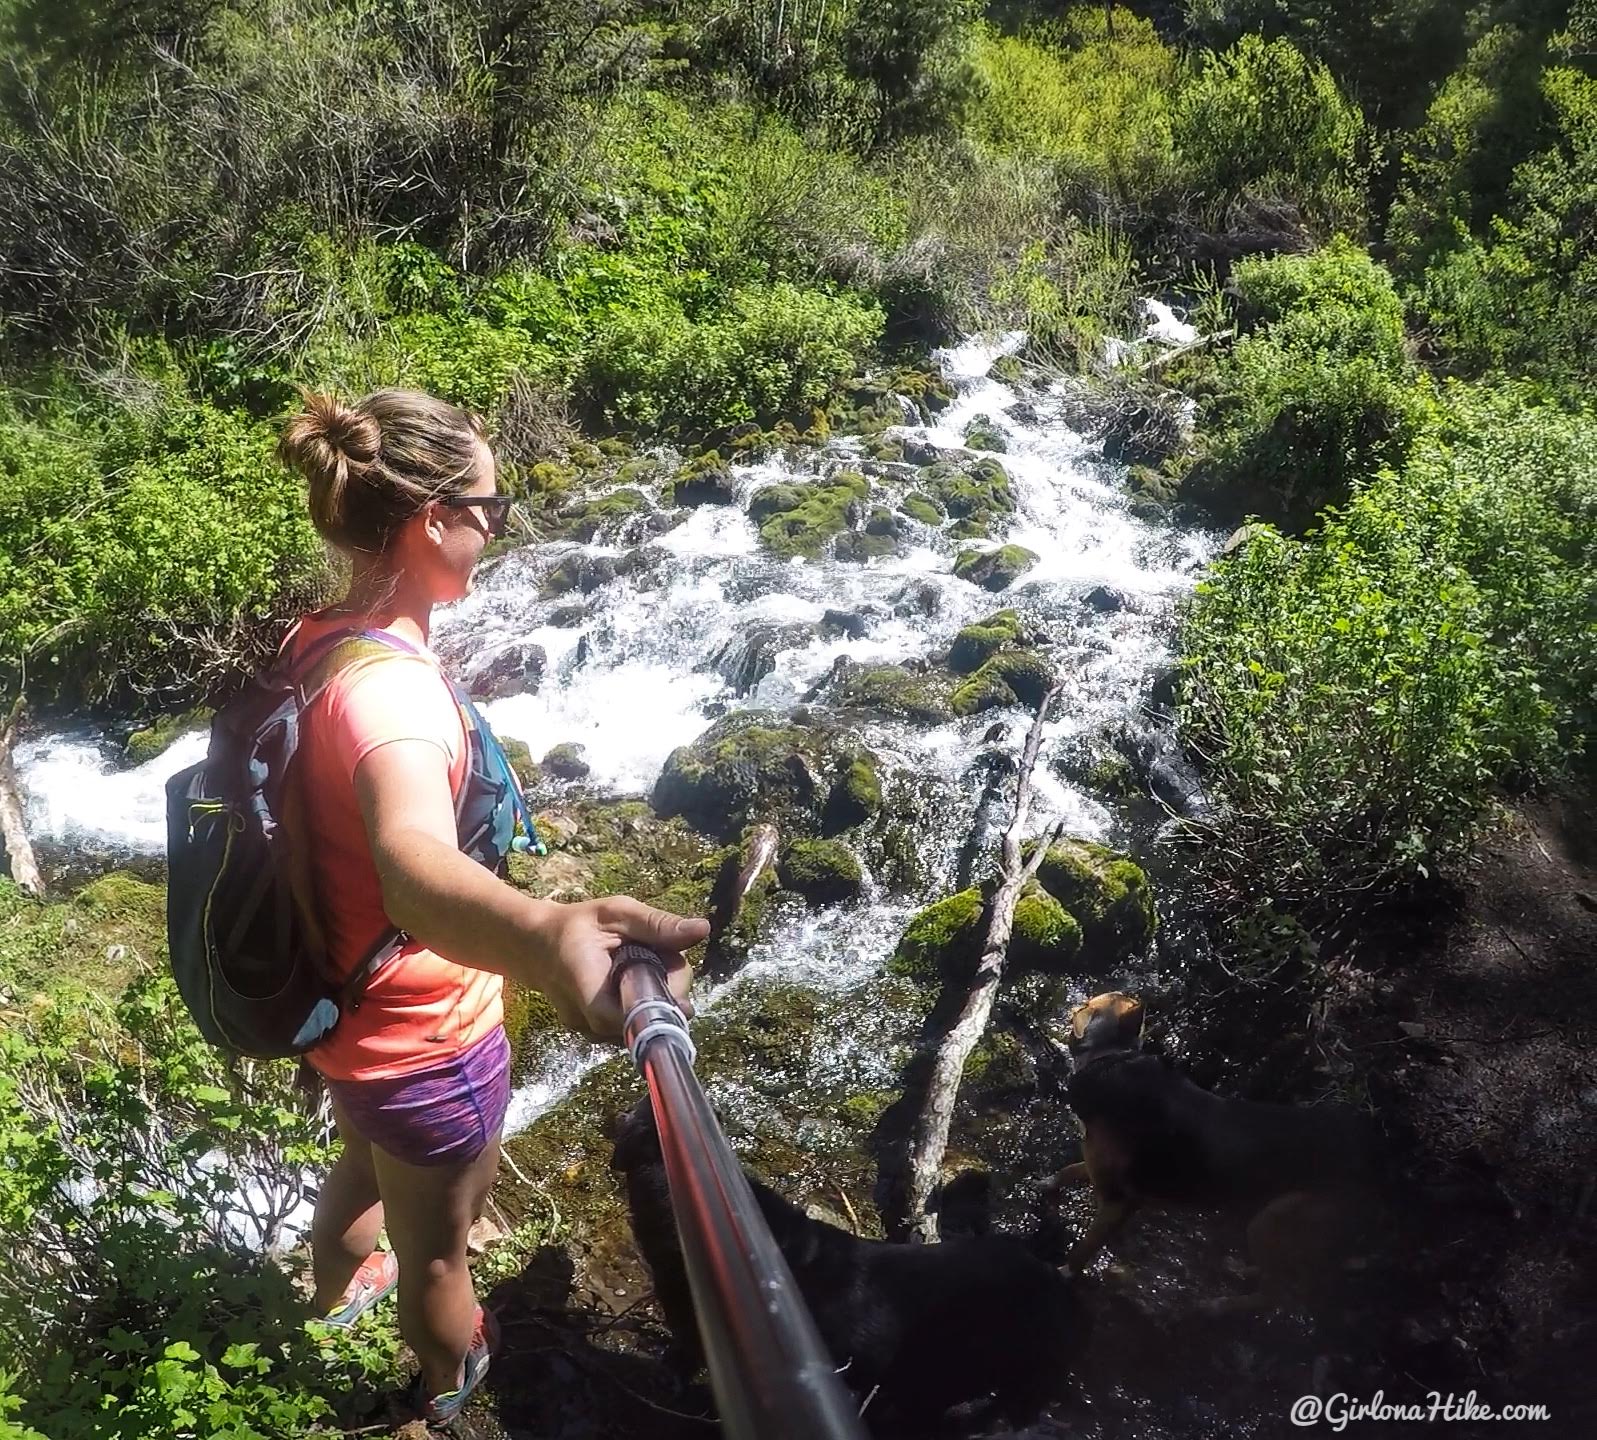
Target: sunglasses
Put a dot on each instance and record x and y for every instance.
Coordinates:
(496, 510)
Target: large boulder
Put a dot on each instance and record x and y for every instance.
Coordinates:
(894, 690)
(994, 569)
(824, 872)
(514, 669)
(754, 764)
(805, 519)
(1011, 677)
(1109, 895)
(976, 493)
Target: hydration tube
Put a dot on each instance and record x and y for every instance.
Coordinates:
(771, 1374)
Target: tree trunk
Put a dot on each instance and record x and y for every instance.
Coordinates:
(24, 869)
(930, 1141)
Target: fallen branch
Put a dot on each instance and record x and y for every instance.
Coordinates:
(930, 1141)
(24, 868)
(1165, 357)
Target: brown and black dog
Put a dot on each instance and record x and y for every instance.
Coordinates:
(1301, 1175)
(916, 1329)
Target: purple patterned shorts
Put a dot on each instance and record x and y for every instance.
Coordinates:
(443, 1115)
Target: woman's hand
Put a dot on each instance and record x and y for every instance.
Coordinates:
(582, 938)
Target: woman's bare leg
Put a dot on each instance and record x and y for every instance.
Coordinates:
(430, 1209)
(348, 1217)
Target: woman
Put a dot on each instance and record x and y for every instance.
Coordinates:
(405, 485)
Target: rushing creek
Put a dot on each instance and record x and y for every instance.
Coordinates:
(638, 675)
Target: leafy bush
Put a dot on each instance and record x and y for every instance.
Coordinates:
(1318, 394)
(144, 1186)
(147, 561)
(774, 351)
(1521, 296)
(1358, 696)
(1261, 118)
(1097, 105)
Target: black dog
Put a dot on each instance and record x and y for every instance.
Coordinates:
(914, 1329)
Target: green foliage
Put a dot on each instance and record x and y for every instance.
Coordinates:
(1098, 106)
(150, 554)
(1261, 118)
(1359, 696)
(1069, 291)
(772, 352)
(1316, 395)
(1520, 296)
(141, 1177)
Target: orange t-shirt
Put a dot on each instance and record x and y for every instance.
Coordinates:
(419, 1008)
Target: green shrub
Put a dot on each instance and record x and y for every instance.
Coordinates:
(1359, 696)
(1097, 106)
(1319, 393)
(1262, 118)
(132, 1304)
(774, 352)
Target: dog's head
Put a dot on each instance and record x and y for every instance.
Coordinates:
(1111, 1021)
(636, 1139)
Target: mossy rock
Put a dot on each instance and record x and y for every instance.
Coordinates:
(1011, 677)
(943, 941)
(976, 494)
(918, 505)
(976, 644)
(982, 434)
(531, 1026)
(824, 872)
(1008, 369)
(994, 569)
(144, 745)
(1107, 893)
(880, 448)
(643, 471)
(754, 764)
(810, 517)
(521, 761)
(893, 690)
(705, 480)
(601, 514)
(998, 1064)
(1046, 936)
(567, 761)
(855, 547)
(855, 796)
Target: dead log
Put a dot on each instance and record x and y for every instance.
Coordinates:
(24, 868)
(930, 1141)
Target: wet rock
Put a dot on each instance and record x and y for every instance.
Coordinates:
(567, 617)
(707, 482)
(754, 764)
(1046, 936)
(1104, 599)
(1012, 677)
(855, 547)
(748, 658)
(943, 941)
(581, 572)
(994, 569)
(920, 597)
(921, 452)
(844, 622)
(591, 518)
(519, 757)
(983, 434)
(995, 732)
(515, 669)
(978, 643)
(144, 745)
(1007, 369)
(805, 519)
(855, 796)
(567, 761)
(920, 506)
(824, 872)
(894, 690)
(1109, 895)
